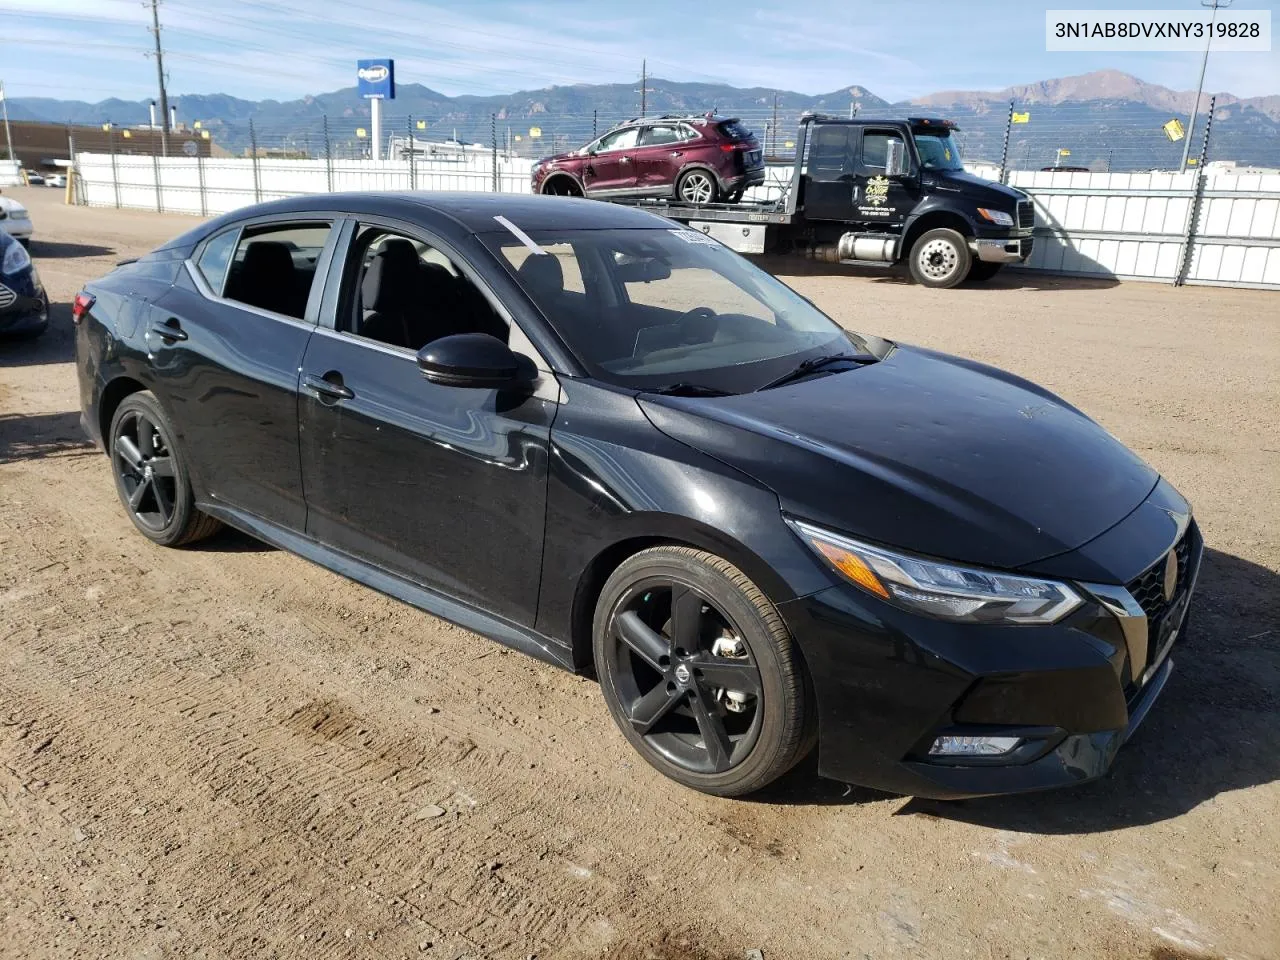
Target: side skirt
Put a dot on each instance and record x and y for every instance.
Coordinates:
(456, 611)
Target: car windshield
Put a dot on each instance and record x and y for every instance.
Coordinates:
(652, 308)
(939, 152)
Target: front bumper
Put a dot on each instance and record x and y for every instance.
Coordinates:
(889, 682)
(1001, 250)
(17, 227)
(20, 313)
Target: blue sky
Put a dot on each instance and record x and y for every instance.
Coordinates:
(281, 49)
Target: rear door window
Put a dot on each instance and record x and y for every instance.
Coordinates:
(216, 257)
(659, 134)
(832, 151)
(274, 267)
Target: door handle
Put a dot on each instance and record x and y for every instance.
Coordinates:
(328, 389)
(169, 331)
(624, 159)
(677, 153)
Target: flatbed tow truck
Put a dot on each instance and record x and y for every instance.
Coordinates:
(874, 193)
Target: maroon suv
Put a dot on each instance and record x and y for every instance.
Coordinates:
(705, 159)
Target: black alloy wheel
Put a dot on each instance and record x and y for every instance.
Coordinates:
(696, 668)
(145, 469)
(690, 686)
(150, 475)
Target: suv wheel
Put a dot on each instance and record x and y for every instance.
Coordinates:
(151, 474)
(697, 186)
(697, 669)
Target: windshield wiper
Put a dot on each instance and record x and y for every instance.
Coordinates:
(807, 367)
(687, 390)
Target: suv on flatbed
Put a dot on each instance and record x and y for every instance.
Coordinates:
(705, 159)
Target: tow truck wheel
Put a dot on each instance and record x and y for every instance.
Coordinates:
(940, 258)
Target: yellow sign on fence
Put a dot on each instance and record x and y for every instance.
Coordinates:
(422, 124)
(1021, 117)
(1174, 131)
(1064, 153)
(535, 133)
(361, 133)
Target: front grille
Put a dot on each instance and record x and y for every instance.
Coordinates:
(1026, 213)
(1148, 588)
(7, 296)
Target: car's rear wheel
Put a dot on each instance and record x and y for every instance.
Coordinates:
(698, 671)
(697, 186)
(940, 258)
(151, 474)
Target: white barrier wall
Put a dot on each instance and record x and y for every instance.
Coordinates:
(1134, 225)
(9, 176)
(1126, 225)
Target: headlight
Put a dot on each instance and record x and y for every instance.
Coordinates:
(15, 259)
(998, 217)
(941, 590)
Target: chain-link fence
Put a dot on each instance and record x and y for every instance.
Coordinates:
(1099, 136)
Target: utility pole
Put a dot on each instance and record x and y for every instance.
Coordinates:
(164, 96)
(8, 135)
(1195, 105)
(644, 90)
(773, 150)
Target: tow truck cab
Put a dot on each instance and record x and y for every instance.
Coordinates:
(868, 191)
(872, 188)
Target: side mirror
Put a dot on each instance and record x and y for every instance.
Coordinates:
(473, 360)
(896, 163)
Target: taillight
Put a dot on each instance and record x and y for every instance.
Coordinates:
(730, 147)
(83, 304)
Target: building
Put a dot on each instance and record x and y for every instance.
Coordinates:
(46, 147)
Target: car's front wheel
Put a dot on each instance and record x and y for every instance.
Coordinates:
(698, 671)
(151, 474)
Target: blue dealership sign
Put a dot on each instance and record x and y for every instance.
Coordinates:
(376, 79)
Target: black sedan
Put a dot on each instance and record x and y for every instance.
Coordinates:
(610, 442)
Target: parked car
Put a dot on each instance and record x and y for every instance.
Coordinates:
(34, 178)
(695, 159)
(56, 180)
(24, 305)
(617, 445)
(15, 220)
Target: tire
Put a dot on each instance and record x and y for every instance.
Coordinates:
(982, 271)
(658, 673)
(158, 499)
(940, 258)
(697, 186)
(561, 185)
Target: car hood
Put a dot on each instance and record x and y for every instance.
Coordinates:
(13, 208)
(927, 452)
(977, 187)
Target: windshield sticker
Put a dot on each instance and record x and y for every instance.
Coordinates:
(693, 236)
(520, 235)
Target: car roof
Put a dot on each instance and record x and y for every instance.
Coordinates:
(454, 215)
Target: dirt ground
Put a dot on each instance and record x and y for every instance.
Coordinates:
(229, 752)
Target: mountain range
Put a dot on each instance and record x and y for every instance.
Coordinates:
(1106, 117)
